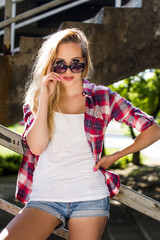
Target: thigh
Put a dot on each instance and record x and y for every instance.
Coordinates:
(86, 228)
(30, 223)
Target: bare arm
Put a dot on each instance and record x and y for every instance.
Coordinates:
(143, 140)
(38, 134)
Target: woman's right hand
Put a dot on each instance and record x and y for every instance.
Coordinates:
(49, 82)
(38, 134)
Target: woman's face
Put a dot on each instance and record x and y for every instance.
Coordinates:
(68, 54)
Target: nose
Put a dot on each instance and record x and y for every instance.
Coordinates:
(68, 70)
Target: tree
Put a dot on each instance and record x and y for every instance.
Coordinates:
(143, 93)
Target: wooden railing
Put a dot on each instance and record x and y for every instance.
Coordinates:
(127, 196)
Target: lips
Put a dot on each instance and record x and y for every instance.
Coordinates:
(68, 78)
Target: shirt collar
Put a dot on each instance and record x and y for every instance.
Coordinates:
(87, 88)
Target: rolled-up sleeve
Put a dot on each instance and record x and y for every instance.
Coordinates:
(28, 120)
(124, 112)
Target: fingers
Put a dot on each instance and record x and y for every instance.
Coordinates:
(97, 166)
(49, 82)
(104, 162)
(50, 73)
(52, 77)
(95, 169)
(107, 161)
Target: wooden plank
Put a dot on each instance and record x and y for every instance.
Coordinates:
(9, 207)
(11, 140)
(14, 210)
(139, 202)
(126, 195)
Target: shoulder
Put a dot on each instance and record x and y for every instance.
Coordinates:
(93, 89)
(100, 94)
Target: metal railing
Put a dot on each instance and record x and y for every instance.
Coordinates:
(118, 3)
(10, 23)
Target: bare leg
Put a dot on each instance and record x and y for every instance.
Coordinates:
(88, 228)
(30, 223)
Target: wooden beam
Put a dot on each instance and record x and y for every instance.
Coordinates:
(11, 140)
(8, 207)
(139, 202)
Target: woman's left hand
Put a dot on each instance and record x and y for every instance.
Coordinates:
(106, 161)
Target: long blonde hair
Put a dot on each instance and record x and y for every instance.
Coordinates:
(46, 54)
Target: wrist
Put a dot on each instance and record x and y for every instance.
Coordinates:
(43, 99)
(117, 155)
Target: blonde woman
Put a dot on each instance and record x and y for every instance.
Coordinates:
(62, 176)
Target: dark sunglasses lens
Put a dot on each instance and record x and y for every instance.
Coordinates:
(60, 68)
(77, 68)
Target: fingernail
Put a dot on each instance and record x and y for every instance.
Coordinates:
(59, 79)
(95, 169)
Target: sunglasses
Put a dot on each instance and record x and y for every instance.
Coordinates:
(62, 68)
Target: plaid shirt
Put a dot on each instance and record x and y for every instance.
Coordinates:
(102, 105)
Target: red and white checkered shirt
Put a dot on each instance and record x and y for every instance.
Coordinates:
(102, 105)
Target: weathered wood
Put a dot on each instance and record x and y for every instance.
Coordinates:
(8, 207)
(126, 195)
(11, 140)
(14, 210)
(139, 202)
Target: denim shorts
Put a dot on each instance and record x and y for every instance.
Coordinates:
(66, 210)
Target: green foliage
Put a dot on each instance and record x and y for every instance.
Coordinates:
(10, 164)
(122, 163)
(9, 160)
(17, 128)
(144, 93)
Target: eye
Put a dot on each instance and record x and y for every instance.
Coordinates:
(75, 60)
(59, 62)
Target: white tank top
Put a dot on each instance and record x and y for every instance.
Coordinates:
(64, 172)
